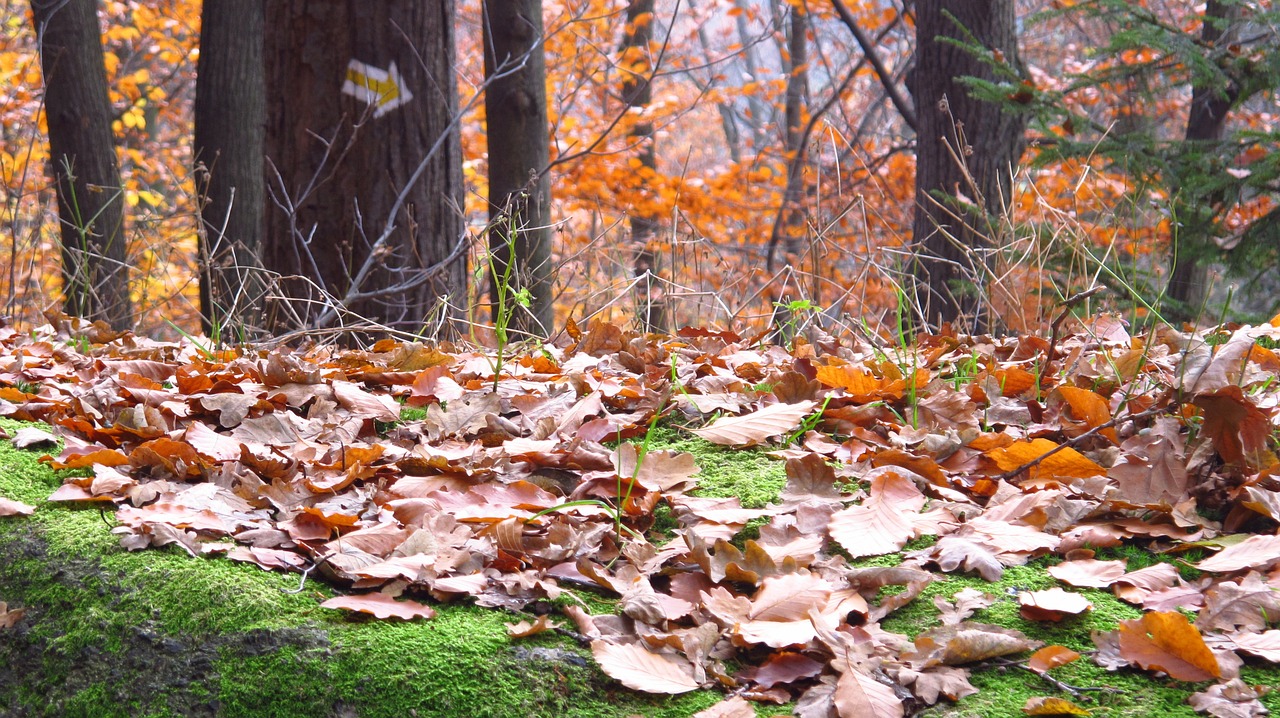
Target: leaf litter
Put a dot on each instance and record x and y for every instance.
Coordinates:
(505, 493)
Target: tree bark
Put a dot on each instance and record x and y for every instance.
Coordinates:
(95, 272)
(519, 151)
(1206, 124)
(230, 124)
(952, 262)
(637, 66)
(338, 162)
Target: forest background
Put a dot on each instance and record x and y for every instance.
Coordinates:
(726, 162)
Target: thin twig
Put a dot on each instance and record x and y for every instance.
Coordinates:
(1067, 305)
(1074, 441)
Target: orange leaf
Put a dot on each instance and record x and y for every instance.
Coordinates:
(1087, 407)
(1048, 706)
(1065, 464)
(1166, 641)
(1051, 657)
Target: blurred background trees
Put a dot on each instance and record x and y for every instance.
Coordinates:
(706, 161)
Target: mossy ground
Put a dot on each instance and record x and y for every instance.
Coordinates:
(157, 633)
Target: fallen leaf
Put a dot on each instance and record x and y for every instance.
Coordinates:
(1050, 706)
(883, 523)
(9, 617)
(859, 695)
(1166, 641)
(1232, 699)
(1064, 464)
(380, 605)
(1089, 573)
(524, 629)
(29, 436)
(1253, 552)
(640, 669)
(9, 507)
(1050, 657)
(1051, 605)
(753, 428)
(966, 601)
(966, 643)
(734, 707)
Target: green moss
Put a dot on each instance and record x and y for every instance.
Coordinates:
(155, 633)
(724, 471)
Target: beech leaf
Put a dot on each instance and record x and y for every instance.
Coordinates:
(381, 606)
(640, 669)
(753, 428)
(1166, 641)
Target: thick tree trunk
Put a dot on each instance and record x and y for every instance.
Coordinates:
(345, 137)
(515, 106)
(1210, 104)
(95, 272)
(952, 261)
(637, 67)
(230, 119)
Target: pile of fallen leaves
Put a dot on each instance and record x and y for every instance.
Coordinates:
(506, 491)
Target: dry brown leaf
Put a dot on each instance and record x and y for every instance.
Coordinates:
(734, 707)
(884, 522)
(1248, 604)
(9, 507)
(380, 605)
(859, 695)
(640, 669)
(966, 601)
(1253, 552)
(1232, 699)
(29, 436)
(524, 629)
(1089, 573)
(9, 617)
(1265, 645)
(753, 428)
(1166, 641)
(966, 643)
(1087, 407)
(1051, 605)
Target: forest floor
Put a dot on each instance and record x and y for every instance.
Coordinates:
(835, 529)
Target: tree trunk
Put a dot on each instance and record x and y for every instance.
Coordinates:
(95, 272)
(1206, 123)
(364, 166)
(230, 118)
(952, 263)
(793, 226)
(637, 66)
(515, 106)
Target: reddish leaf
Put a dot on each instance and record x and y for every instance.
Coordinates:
(380, 605)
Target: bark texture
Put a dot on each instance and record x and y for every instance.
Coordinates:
(519, 192)
(953, 259)
(1206, 125)
(637, 68)
(230, 124)
(336, 167)
(95, 272)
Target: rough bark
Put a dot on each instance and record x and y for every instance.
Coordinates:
(336, 167)
(230, 119)
(637, 69)
(952, 258)
(519, 151)
(1206, 124)
(95, 272)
